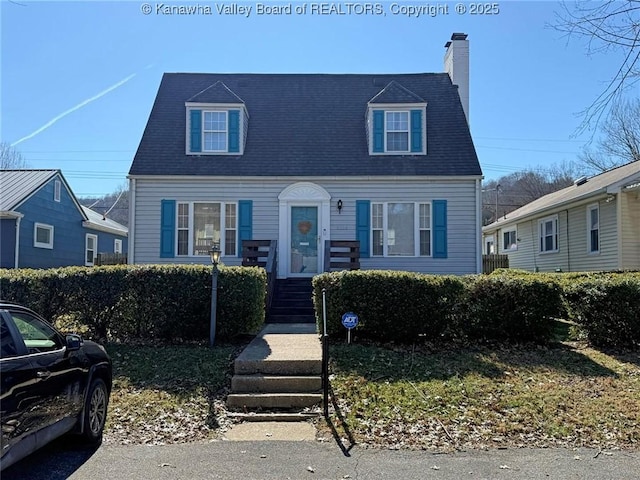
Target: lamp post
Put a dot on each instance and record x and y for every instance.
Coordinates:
(214, 253)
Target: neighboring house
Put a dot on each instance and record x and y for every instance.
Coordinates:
(42, 225)
(386, 159)
(592, 225)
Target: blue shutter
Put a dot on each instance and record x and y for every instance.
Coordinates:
(234, 130)
(363, 228)
(196, 131)
(439, 228)
(378, 131)
(167, 228)
(416, 131)
(245, 222)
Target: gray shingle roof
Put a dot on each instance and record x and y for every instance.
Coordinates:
(396, 93)
(624, 175)
(17, 185)
(306, 125)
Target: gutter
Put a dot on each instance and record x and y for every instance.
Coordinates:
(556, 207)
(104, 228)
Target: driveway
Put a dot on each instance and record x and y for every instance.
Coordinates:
(280, 460)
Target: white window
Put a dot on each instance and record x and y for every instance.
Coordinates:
(401, 229)
(548, 233)
(201, 224)
(117, 245)
(214, 131)
(91, 249)
(396, 131)
(42, 235)
(593, 228)
(510, 239)
(57, 186)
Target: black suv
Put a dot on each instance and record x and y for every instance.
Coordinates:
(51, 384)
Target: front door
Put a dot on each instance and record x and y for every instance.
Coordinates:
(304, 241)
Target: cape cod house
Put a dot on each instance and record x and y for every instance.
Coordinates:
(42, 224)
(592, 225)
(306, 159)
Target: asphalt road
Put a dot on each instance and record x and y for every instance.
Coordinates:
(267, 460)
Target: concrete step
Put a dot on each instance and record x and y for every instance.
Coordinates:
(273, 400)
(278, 367)
(273, 416)
(259, 383)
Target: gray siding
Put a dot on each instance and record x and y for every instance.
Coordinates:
(630, 242)
(572, 254)
(463, 242)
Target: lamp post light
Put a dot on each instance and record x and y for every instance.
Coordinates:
(214, 253)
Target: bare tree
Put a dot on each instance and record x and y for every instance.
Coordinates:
(620, 141)
(607, 26)
(10, 158)
(507, 193)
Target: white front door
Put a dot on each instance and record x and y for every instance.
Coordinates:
(304, 226)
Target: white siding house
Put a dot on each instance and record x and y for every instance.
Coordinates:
(386, 160)
(593, 225)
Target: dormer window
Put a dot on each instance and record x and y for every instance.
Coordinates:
(396, 123)
(397, 131)
(214, 131)
(217, 122)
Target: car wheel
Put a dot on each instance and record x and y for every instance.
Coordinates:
(95, 411)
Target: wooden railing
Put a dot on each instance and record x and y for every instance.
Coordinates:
(111, 259)
(262, 253)
(494, 261)
(341, 255)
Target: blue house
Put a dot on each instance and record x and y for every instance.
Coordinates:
(310, 161)
(42, 225)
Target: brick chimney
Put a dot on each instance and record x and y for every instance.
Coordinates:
(456, 64)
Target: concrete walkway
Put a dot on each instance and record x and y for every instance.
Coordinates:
(281, 355)
(279, 343)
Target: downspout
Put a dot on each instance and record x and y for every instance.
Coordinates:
(479, 226)
(619, 229)
(534, 246)
(132, 220)
(568, 243)
(17, 252)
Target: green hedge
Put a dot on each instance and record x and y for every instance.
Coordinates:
(510, 307)
(607, 307)
(396, 306)
(154, 302)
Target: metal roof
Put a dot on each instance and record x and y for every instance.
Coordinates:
(18, 185)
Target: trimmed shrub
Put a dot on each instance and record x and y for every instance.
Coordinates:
(150, 302)
(391, 306)
(511, 307)
(607, 307)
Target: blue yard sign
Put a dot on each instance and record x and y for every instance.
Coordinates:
(349, 320)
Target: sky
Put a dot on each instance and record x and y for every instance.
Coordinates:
(78, 79)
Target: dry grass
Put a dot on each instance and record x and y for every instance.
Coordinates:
(489, 397)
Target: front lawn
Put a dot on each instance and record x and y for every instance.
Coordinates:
(486, 397)
(399, 397)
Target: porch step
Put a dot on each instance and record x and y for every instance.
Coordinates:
(259, 383)
(273, 400)
(292, 302)
(273, 416)
(280, 369)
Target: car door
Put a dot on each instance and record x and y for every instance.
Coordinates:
(58, 387)
(16, 378)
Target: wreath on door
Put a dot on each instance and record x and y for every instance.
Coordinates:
(304, 226)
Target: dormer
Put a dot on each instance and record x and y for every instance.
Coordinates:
(396, 122)
(217, 122)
